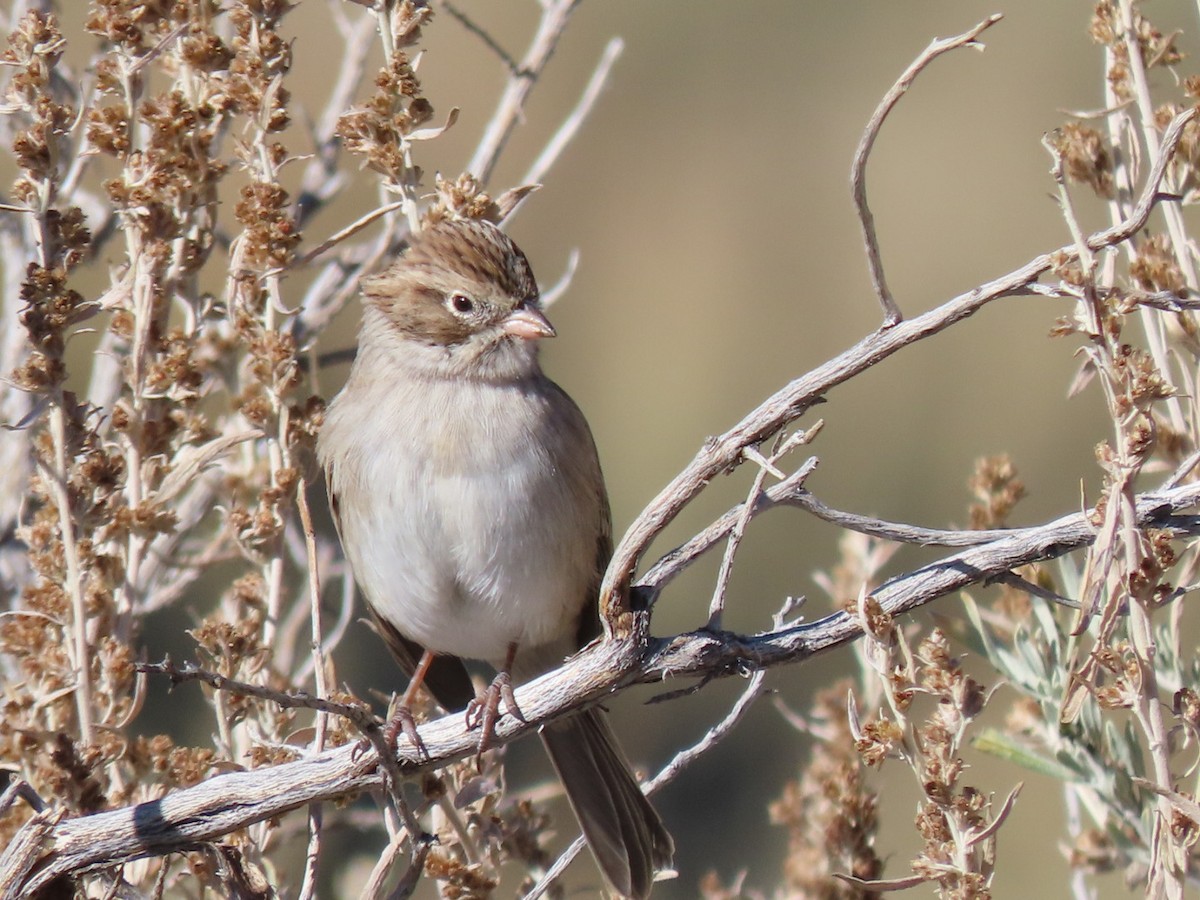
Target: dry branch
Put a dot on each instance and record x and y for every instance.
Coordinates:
(722, 453)
(858, 171)
(228, 802)
(555, 15)
(50, 846)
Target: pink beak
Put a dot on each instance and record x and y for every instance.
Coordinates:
(529, 323)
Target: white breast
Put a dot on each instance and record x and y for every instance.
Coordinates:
(467, 520)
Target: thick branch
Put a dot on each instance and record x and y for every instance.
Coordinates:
(722, 453)
(709, 654)
(228, 802)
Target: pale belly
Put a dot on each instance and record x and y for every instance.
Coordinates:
(471, 563)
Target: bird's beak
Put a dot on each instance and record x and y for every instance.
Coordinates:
(528, 323)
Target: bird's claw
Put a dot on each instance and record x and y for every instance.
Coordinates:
(403, 723)
(484, 711)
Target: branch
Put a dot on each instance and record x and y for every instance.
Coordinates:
(791, 492)
(490, 42)
(512, 104)
(236, 800)
(669, 773)
(358, 714)
(858, 171)
(721, 454)
(574, 121)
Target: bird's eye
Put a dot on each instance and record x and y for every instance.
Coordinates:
(461, 303)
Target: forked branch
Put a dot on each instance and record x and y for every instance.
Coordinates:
(720, 454)
(236, 800)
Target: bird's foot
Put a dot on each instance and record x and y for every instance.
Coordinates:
(400, 722)
(403, 723)
(484, 711)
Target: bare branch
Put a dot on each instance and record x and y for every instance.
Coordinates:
(858, 171)
(555, 15)
(349, 231)
(706, 654)
(766, 467)
(681, 557)
(308, 887)
(551, 294)
(322, 179)
(237, 799)
(574, 121)
(358, 714)
(724, 452)
(666, 775)
(476, 29)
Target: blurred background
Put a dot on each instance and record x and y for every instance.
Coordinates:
(720, 257)
(708, 196)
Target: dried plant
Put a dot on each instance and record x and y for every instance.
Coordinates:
(160, 418)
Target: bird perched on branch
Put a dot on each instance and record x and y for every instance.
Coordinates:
(468, 495)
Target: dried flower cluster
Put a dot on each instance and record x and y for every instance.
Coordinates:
(830, 812)
(178, 449)
(1101, 704)
(921, 706)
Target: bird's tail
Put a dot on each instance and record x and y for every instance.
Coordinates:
(623, 829)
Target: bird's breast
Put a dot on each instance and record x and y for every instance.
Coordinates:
(463, 519)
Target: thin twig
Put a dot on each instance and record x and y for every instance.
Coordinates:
(374, 887)
(79, 641)
(322, 178)
(674, 562)
(551, 294)
(349, 231)
(1024, 584)
(1167, 301)
(858, 171)
(574, 121)
(715, 735)
(509, 110)
(556, 870)
(480, 32)
(721, 453)
(355, 713)
(1067, 206)
(308, 886)
(19, 788)
(716, 606)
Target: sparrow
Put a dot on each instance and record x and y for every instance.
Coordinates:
(467, 492)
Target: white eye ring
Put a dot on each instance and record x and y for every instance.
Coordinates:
(460, 303)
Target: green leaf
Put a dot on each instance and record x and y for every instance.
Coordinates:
(996, 743)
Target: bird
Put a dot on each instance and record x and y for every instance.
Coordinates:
(466, 489)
